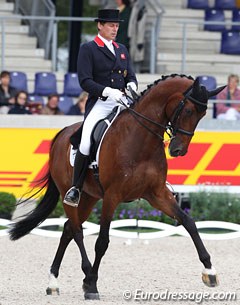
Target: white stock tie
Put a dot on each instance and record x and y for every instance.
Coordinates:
(111, 48)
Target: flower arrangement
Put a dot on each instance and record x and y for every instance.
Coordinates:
(138, 209)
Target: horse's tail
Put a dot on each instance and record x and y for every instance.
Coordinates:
(39, 214)
(42, 210)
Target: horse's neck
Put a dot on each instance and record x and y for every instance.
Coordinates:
(141, 132)
(153, 106)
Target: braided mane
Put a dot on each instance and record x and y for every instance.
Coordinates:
(164, 77)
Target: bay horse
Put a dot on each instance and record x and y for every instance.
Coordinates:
(132, 165)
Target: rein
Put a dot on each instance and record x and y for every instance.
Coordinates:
(170, 129)
(138, 115)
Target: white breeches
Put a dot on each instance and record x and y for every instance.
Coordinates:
(99, 111)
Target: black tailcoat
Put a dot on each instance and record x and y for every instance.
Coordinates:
(99, 68)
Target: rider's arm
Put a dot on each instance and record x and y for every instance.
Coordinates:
(85, 67)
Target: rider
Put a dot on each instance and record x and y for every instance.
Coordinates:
(104, 71)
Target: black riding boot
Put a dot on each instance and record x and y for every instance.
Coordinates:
(81, 163)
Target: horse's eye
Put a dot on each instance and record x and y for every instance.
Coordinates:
(188, 111)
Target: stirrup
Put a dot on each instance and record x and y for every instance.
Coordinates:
(72, 197)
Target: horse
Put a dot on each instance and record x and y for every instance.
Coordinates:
(132, 165)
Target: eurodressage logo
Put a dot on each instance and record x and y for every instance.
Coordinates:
(166, 295)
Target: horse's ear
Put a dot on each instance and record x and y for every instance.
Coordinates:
(196, 83)
(134, 94)
(215, 91)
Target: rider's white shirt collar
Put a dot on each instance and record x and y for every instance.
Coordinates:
(108, 44)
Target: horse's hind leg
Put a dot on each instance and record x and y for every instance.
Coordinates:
(90, 283)
(168, 205)
(72, 230)
(86, 265)
(84, 209)
(67, 236)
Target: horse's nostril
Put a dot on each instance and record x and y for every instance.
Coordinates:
(175, 152)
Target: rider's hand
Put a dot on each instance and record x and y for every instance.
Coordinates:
(113, 94)
(132, 85)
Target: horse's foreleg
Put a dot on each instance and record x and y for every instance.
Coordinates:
(90, 284)
(67, 236)
(169, 206)
(209, 275)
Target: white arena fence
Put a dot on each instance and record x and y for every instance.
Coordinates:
(163, 229)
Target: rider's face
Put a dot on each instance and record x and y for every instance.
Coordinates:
(108, 30)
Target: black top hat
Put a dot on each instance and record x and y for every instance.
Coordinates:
(108, 15)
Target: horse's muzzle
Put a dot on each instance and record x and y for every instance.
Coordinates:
(176, 150)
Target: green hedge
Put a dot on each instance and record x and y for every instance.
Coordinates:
(136, 209)
(215, 206)
(204, 206)
(7, 205)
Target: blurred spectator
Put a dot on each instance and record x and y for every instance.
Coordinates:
(136, 33)
(7, 93)
(52, 105)
(35, 103)
(79, 107)
(229, 111)
(20, 106)
(35, 108)
(125, 12)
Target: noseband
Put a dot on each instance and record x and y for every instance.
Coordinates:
(171, 128)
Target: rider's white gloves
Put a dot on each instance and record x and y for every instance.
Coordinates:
(113, 94)
(132, 85)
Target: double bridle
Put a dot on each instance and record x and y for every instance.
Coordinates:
(178, 111)
(171, 128)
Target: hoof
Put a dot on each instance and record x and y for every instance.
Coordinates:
(52, 291)
(210, 278)
(91, 296)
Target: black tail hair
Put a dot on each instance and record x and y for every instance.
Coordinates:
(43, 209)
(39, 214)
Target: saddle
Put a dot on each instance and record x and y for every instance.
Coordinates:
(97, 134)
(99, 131)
